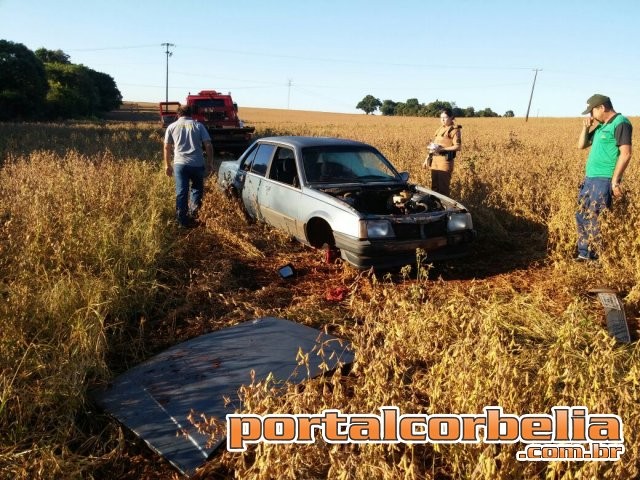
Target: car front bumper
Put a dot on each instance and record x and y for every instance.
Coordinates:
(389, 253)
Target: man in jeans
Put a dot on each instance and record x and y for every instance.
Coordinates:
(610, 143)
(185, 137)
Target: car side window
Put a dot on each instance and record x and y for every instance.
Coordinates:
(310, 165)
(248, 159)
(283, 167)
(261, 160)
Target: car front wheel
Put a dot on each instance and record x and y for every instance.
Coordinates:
(320, 235)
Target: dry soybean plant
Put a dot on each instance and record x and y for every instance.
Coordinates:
(94, 278)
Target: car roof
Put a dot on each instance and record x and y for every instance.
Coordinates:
(303, 142)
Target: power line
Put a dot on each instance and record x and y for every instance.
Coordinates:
(349, 61)
(306, 58)
(129, 47)
(337, 60)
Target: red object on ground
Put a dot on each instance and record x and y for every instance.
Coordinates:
(336, 294)
(331, 255)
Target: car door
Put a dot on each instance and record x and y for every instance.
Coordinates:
(279, 193)
(254, 176)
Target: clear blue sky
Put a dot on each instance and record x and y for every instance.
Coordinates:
(326, 55)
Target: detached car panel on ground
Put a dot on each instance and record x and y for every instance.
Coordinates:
(345, 195)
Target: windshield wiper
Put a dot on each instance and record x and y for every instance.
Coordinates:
(375, 177)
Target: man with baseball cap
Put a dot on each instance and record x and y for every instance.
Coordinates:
(610, 143)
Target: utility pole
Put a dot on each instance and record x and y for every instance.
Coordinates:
(526, 118)
(167, 45)
(289, 93)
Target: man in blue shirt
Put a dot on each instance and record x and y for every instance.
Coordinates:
(185, 137)
(610, 143)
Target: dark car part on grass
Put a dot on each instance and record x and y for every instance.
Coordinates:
(614, 311)
(287, 271)
(156, 398)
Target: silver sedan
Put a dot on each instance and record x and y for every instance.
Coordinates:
(346, 197)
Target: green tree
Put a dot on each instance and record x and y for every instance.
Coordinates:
(23, 82)
(433, 109)
(509, 114)
(76, 90)
(469, 112)
(72, 92)
(110, 96)
(487, 112)
(459, 112)
(410, 108)
(52, 56)
(388, 107)
(369, 104)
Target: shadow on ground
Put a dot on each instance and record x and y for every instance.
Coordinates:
(516, 245)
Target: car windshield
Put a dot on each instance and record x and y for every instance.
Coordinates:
(346, 164)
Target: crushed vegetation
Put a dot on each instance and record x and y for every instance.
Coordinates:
(94, 278)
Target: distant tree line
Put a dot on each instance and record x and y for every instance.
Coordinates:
(413, 108)
(45, 85)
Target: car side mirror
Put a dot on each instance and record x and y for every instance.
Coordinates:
(404, 176)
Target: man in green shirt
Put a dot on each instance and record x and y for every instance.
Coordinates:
(610, 143)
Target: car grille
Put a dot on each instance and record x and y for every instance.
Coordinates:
(416, 231)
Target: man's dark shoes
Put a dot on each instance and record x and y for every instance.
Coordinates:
(190, 223)
(585, 259)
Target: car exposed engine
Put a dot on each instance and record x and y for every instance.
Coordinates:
(387, 201)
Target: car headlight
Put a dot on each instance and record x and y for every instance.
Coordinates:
(376, 229)
(459, 221)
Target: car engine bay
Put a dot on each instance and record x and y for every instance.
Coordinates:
(397, 200)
